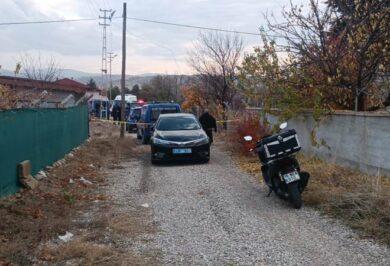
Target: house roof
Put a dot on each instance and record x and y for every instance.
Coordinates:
(41, 84)
(70, 83)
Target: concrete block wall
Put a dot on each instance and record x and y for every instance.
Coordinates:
(358, 140)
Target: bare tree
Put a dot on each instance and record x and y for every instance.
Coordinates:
(215, 58)
(162, 88)
(39, 68)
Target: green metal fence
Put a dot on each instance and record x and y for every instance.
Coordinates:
(42, 136)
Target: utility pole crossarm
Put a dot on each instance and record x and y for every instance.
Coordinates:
(106, 20)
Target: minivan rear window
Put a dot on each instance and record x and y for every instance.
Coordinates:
(135, 113)
(156, 111)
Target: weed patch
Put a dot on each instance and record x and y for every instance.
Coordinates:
(362, 201)
(36, 216)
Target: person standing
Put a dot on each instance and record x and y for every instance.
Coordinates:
(97, 110)
(209, 124)
(116, 112)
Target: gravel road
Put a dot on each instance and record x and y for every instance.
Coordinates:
(216, 214)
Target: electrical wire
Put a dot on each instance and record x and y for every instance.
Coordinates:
(158, 45)
(90, 7)
(131, 18)
(46, 21)
(144, 20)
(192, 26)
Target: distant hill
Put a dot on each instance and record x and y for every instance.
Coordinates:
(131, 80)
(64, 73)
(5, 72)
(76, 74)
(84, 77)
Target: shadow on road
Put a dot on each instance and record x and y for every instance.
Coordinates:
(179, 162)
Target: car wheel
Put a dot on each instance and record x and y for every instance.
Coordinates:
(206, 160)
(153, 159)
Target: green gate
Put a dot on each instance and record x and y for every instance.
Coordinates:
(42, 136)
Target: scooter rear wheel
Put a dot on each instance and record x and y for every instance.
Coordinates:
(295, 195)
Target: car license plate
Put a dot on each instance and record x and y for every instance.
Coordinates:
(182, 151)
(291, 177)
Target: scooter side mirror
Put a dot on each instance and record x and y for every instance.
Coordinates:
(283, 125)
(248, 138)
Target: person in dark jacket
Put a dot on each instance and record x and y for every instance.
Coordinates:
(116, 112)
(208, 123)
(97, 110)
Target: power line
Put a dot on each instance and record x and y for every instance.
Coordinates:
(132, 18)
(193, 26)
(95, 5)
(145, 20)
(46, 21)
(158, 45)
(204, 28)
(90, 7)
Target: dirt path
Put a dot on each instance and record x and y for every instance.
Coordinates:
(135, 213)
(216, 214)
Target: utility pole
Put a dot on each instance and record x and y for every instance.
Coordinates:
(123, 71)
(106, 20)
(111, 57)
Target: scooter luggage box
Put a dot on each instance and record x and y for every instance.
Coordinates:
(278, 145)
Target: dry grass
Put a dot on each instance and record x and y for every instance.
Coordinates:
(359, 200)
(32, 217)
(131, 225)
(83, 252)
(362, 201)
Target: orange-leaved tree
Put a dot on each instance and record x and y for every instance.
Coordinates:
(193, 97)
(8, 98)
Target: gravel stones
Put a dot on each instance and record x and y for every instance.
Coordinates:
(216, 214)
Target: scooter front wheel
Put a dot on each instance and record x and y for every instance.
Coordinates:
(295, 195)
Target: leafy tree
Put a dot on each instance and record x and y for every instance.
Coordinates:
(135, 90)
(8, 98)
(92, 84)
(114, 91)
(127, 90)
(162, 88)
(363, 25)
(344, 45)
(267, 83)
(194, 97)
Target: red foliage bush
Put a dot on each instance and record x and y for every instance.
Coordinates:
(248, 124)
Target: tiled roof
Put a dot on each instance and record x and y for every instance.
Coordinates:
(40, 84)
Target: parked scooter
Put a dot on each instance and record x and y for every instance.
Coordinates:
(280, 169)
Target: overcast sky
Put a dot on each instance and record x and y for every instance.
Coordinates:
(151, 48)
